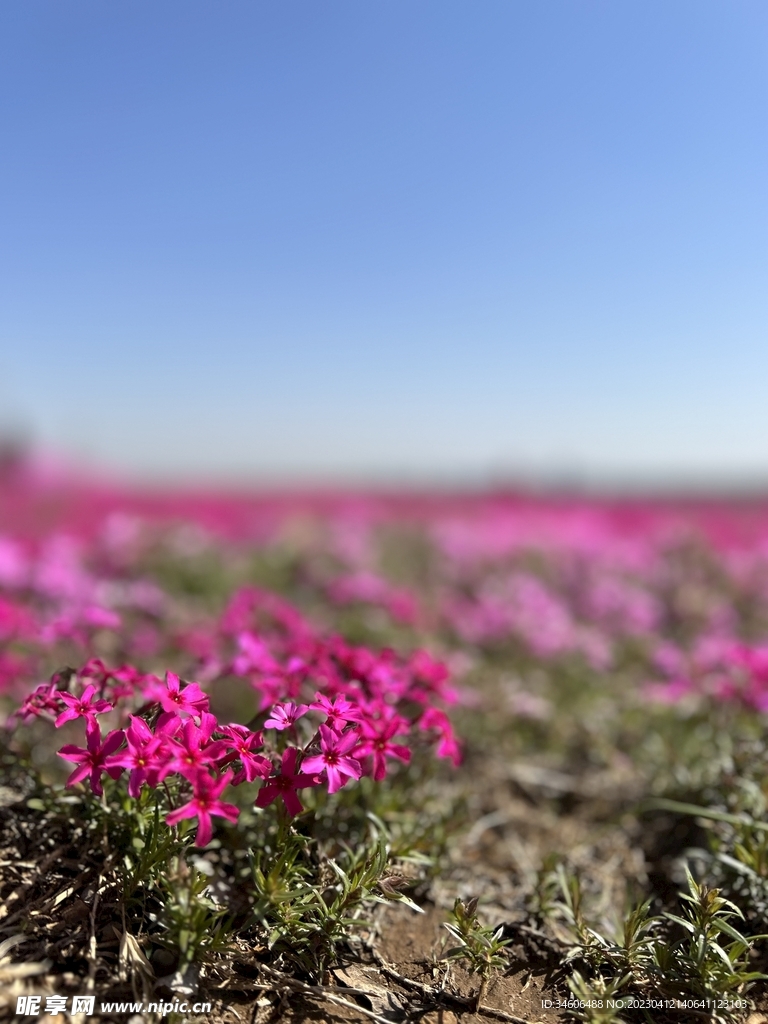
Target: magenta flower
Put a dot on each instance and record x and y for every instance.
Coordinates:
(254, 655)
(44, 697)
(84, 706)
(190, 701)
(243, 743)
(434, 718)
(427, 670)
(101, 618)
(147, 752)
(194, 751)
(333, 758)
(376, 742)
(671, 692)
(204, 804)
(285, 715)
(92, 760)
(286, 783)
(338, 712)
(270, 689)
(124, 682)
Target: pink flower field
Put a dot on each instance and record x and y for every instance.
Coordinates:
(261, 732)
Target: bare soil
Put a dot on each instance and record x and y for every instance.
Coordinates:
(517, 814)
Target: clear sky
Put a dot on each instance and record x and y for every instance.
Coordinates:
(389, 238)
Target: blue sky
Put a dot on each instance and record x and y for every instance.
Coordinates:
(406, 239)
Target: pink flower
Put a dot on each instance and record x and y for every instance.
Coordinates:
(84, 706)
(243, 743)
(434, 718)
(254, 655)
(44, 697)
(334, 759)
(147, 752)
(194, 751)
(101, 618)
(204, 804)
(121, 682)
(670, 692)
(286, 783)
(376, 737)
(190, 701)
(285, 715)
(339, 712)
(429, 671)
(92, 760)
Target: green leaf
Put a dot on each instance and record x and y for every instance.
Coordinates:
(662, 804)
(723, 956)
(725, 926)
(409, 903)
(681, 921)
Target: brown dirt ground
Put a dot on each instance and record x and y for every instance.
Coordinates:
(518, 812)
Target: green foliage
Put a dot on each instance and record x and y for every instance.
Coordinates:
(194, 926)
(148, 846)
(480, 949)
(307, 903)
(696, 953)
(713, 956)
(597, 998)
